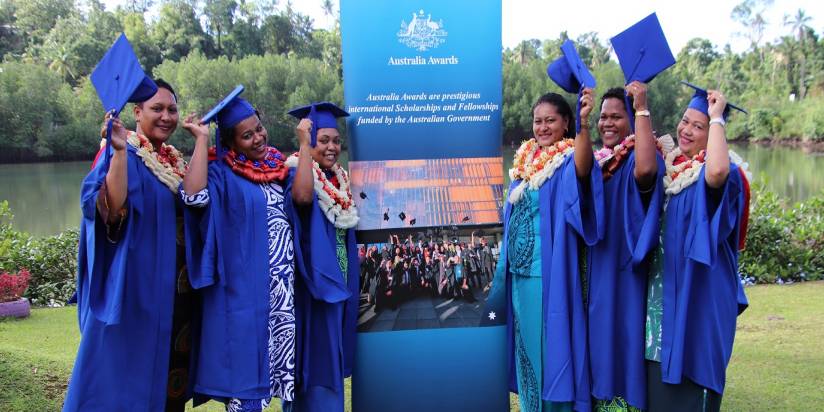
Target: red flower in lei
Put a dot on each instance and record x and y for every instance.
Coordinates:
(166, 155)
(618, 158)
(682, 158)
(270, 169)
(344, 203)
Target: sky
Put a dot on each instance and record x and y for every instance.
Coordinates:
(681, 20)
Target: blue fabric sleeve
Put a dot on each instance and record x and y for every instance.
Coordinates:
(106, 261)
(315, 256)
(642, 222)
(201, 225)
(712, 221)
(583, 201)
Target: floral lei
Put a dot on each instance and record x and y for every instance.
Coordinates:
(683, 171)
(335, 202)
(534, 164)
(167, 164)
(270, 169)
(610, 159)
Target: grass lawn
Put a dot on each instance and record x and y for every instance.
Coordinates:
(777, 363)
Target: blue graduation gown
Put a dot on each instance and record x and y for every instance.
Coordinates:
(125, 296)
(617, 271)
(326, 302)
(702, 292)
(228, 260)
(571, 210)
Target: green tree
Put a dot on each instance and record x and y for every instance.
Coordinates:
(177, 31)
(136, 29)
(220, 16)
(35, 18)
(11, 38)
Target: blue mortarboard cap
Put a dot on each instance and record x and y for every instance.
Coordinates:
(699, 101)
(323, 115)
(119, 79)
(230, 111)
(571, 74)
(643, 52)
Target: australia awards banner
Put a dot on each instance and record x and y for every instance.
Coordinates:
(422, 82)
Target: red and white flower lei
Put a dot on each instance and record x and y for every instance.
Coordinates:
(167, 164)
(534, 164)
(686, 172)
(336, 203)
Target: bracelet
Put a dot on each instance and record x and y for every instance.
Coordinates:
(642, 113)
(719, 121)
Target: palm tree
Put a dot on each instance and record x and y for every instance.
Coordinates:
(798, 25)
(62, 62)
(328, 9)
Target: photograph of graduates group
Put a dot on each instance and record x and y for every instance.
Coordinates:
(425, 281)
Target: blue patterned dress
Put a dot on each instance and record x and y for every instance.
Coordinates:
(524, 247)
(281, 317)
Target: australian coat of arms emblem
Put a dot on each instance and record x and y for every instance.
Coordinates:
(422, 33)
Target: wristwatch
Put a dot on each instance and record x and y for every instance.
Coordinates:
(719, 120)
(642, 113)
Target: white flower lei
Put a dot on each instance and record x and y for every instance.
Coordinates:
(341, 217)
(534, 172)
(169, 174)
(690, 170)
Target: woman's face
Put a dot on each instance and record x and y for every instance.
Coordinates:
(250, 138)
(327, 150)
(548, 125)
(693, 131)
(157, 117)
(613, 124)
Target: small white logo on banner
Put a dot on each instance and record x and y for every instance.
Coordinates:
(422, 33)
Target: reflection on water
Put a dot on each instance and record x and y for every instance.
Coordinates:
(45, 197)
(788, 172)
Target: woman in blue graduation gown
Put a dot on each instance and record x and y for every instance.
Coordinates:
(617, 266)
(326, 290)
(554, 202)
(134, 304)
(694, 292)
(240, 253)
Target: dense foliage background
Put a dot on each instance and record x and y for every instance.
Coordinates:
(204, 47)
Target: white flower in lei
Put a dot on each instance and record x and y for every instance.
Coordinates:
(533, 171)
(338, 207)
(688, 172)
(169, 169)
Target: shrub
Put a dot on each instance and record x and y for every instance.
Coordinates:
(12, 286)
(784, 242)
(50, 261)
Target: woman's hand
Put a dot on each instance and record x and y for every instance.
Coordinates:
(304, 132)
(638, 92)
(586, 106)
(119, 133)
(193, 125)
(717, 103)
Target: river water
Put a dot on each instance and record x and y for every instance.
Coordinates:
(45, 197)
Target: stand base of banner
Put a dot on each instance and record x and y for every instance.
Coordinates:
(451, 369)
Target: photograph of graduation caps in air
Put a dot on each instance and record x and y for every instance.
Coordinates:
(437, 278)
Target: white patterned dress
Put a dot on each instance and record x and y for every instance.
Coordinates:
(281, 299)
